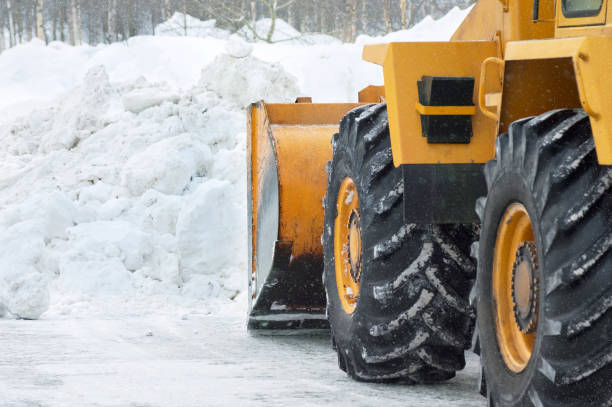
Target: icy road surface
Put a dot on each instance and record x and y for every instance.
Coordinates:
(203, 361)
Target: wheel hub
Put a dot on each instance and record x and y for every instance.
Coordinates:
(354, 238)
(515, 288)
(525, 287)
(347, 245)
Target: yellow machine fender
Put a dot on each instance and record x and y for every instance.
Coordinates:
(544, 75)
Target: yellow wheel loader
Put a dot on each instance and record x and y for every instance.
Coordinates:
(498, 141)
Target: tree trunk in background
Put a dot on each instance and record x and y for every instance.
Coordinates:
(185, 17)
(71, 22)
(40, 26)
(54, 28)
(291, 15)
(104, 18)
(355, 19)
(167, 10)
(2, 44)
(92, 26)
(111, 21)
(29, 21)
(404, 15)
(272, 8)
(387, 15)
(79, 23)
(254, 12)
(153, 22)
(62, 23)
(364, 16)
(19, 23)
(323, 19)
(304, 18)
(345, 21)
(129, 17)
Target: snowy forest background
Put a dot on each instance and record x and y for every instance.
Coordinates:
(106, 21)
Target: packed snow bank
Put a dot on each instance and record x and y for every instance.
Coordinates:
(126, 194)
(185, 25)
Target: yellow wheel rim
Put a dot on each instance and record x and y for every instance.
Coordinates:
(347, 245)
(514, 232)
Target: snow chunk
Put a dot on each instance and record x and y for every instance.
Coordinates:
(142, 99)
(238, 48)
(23, 288)
(349, 197)
(247, 80)
(80, 114)
(116, 239)
(26, 296)
(166, 166)
(26, 229)
(211, 230)
(49, 215)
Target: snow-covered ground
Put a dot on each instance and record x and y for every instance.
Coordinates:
(202, 361)
(122, 204)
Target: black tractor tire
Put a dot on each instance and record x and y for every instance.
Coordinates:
(549, 164)
(412, 320)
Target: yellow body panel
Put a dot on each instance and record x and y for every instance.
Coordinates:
(406, 63)
(482, 23)
(540, 73)
(372, 94)
(510, 20)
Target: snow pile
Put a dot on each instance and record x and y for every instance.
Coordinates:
(241, 81)
(141, 99)
(126, 194)
(185, 25)
(126, 190)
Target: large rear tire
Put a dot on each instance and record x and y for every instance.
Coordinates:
(557, 351)
(397, 295)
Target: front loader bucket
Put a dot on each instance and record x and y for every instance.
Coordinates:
(288, 148)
